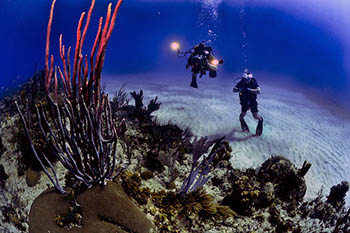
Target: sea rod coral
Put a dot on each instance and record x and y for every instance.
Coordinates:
(199, 173)
(80, 128)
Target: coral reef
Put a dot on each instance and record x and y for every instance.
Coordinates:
(2, 147)
(276, 180)
(337, 195)
(3, 176)
(73, 217)
(120, 100)
(332, 210)
(289, 183)
(31, 93)
(80, 130)
(32, 177)
(131, 183)
(138, 97)
(12, 213)
(104, 209)
(235, 200)
(199, 171)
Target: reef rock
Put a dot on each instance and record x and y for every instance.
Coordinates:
(245, 194)
(337, 195)
(104, 209)
(32, 177)
(289, 182)
(3, 176)
(276, 179)
(2, 147)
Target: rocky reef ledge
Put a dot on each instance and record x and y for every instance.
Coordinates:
(145, 196)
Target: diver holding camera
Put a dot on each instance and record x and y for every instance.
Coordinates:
(200, 58)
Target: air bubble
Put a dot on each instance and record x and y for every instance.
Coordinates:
(209, 16)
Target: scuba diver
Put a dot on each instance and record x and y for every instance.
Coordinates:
(200, 59)
(248, 89)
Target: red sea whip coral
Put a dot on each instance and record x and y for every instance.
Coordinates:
(81, 129)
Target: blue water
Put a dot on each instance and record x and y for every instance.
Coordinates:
(278, 42)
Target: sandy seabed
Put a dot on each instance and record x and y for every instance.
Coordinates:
(297, 125)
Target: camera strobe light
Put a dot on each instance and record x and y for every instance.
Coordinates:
(175, 46)
(214, 62)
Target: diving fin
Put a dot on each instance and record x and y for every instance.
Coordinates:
(194, 83)
(244, 126)
(259, 127)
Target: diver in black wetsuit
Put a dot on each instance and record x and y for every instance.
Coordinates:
(198, 60)
(248, 89)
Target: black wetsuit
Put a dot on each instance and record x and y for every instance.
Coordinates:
(247, 98)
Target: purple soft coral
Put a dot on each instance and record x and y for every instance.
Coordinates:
(200, 147)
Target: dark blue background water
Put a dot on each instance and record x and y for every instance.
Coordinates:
(279, 42)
